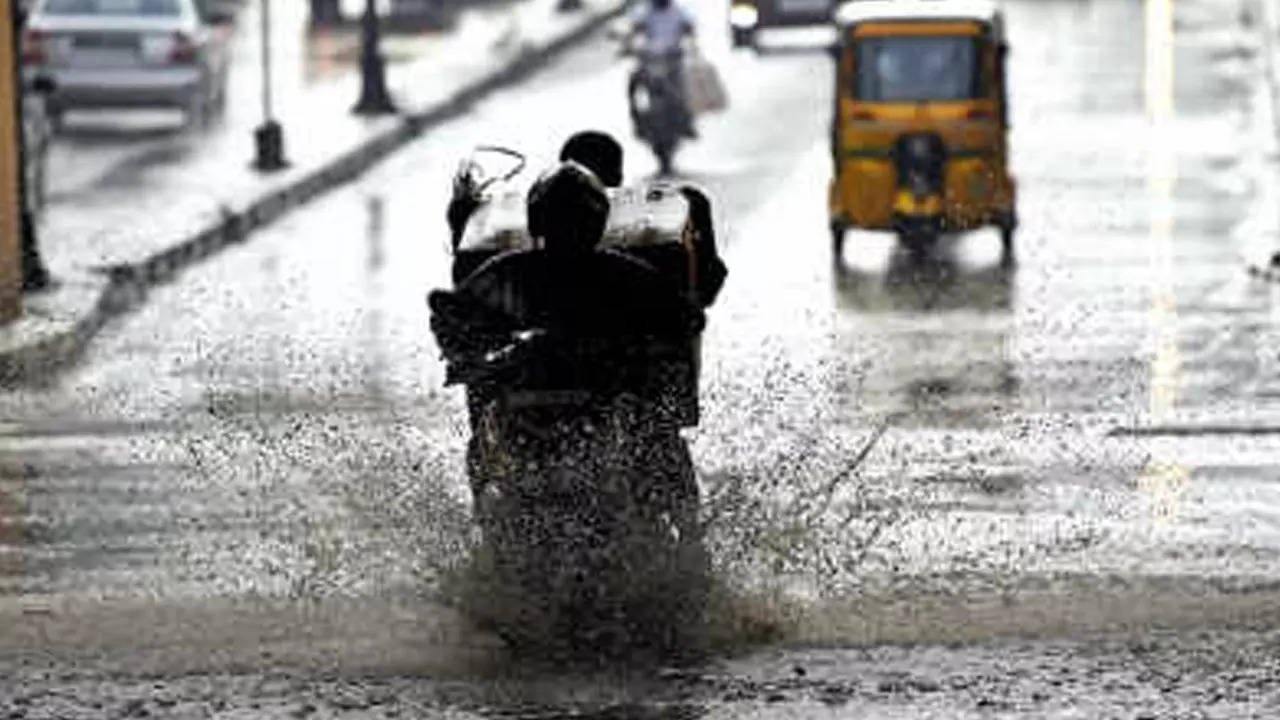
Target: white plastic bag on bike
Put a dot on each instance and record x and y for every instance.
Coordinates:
(704, 90)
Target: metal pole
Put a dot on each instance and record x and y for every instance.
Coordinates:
(266, 60)
(268, 138)
(374, 97)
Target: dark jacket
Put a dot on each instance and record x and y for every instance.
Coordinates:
(609, 322)
(601, 294)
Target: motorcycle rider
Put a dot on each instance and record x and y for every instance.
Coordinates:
(599, 152)
(663, 25)
(567, 285)
(568, 289)
(520, 321)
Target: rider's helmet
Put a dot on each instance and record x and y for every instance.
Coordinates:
(599, 152)
(568, 208)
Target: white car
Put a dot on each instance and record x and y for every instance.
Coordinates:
(129, 54)
(748, 17)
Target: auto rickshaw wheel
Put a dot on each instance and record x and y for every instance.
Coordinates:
(837, 241)
(917, 244)
(664, 153)
(1007, 228)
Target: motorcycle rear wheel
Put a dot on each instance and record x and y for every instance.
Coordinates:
(664, 154)
(590, 571)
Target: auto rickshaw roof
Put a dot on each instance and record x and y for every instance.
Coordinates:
(860, 11)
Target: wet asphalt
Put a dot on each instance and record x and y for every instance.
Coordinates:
(933, 488)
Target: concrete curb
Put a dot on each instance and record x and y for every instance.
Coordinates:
(126, 286)
(60, 339)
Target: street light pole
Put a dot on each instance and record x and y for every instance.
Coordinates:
(374, 97)
(268, 138)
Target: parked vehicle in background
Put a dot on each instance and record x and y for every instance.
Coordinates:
(748, 17)
(130, 54)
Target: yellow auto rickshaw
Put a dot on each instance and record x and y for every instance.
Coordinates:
(919, 134)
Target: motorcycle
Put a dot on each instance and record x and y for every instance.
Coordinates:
(657, 103)
(584, 490)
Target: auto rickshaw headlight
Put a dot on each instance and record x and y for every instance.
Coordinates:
(744, 16)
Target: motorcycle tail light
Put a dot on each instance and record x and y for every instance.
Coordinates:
(33, 49)
(863, 116)
(184, 49)
(978, 115)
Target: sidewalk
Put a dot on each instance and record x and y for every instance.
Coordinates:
(106, 245)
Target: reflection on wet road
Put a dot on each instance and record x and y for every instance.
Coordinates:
(922, 452)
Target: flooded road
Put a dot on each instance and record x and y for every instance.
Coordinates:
(248, 499)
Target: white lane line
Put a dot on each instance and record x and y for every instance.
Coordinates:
(1162, 483)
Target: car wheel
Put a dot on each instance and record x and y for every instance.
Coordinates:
(743, 38)
(197, 109)
(664, 153)
(220, 99)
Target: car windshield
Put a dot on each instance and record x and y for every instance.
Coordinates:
(146, 8)
(912, 69)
